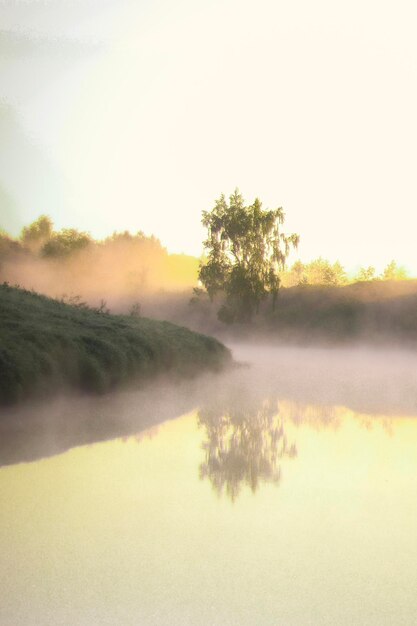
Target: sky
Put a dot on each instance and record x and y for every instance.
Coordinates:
(134, 114)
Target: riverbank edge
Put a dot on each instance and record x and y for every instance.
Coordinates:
(47, 345)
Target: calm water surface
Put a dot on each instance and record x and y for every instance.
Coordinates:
(284, 493)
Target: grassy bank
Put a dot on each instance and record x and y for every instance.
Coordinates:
(46, 344)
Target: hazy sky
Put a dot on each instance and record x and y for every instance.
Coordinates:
(138, 114)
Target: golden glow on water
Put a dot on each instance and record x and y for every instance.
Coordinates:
(127, 532)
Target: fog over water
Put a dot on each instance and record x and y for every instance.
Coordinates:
(282, 491)
(374, 381)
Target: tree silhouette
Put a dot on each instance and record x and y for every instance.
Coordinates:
(245, 252)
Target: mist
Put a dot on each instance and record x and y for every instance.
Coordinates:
(121, 271)
(135, 274)
(301, 384)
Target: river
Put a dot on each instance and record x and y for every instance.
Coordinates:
(283, 492)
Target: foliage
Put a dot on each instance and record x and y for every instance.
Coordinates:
(40, 237)
(394, 272)
(37, 234)
(121, 266)
(245, 252)
(46, 344)
(126, 268)
(317, 272)
(65, 242)
(322, 272)
(366, 274)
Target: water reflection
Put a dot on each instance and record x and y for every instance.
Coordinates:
(245, 439)
(124, 532)
(243, 447)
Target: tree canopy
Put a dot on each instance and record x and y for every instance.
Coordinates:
(394, 272)
(65, 242)
(317, 272)
(37, 234)
(245, 252)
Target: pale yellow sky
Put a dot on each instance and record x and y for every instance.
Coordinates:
(158, 107)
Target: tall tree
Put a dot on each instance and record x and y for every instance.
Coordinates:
(245, 251)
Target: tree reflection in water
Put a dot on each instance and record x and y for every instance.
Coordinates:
(243, 446)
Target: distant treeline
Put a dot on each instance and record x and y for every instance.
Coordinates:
(322, 272)
(123, 266)
(134, 273)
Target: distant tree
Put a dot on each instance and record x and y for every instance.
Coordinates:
(338, 274)
(245, 251)
(294, 276)
(298, 271)
(394, 272)
(65, 242)
(321, 272)
(317, 272)
(365, 274)
(37, 234)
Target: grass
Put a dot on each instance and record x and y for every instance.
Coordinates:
(46, 345)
